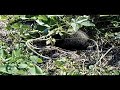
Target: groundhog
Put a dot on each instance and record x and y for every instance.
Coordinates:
(78, 40)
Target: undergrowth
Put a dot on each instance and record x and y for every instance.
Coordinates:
(19, 57)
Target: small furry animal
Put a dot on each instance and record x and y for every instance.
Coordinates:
(76, 41)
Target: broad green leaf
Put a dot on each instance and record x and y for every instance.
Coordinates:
(42, 17)
(87, 23)
(42, 23)
(23, 65)
(21, 72)
(14, 70)
(2, 53)
(81, 21)
(17, 53)
(38, 70)
(25, 27)
(34, 58)
(3, 69)
(23, 17)
(16, 26)
(70, 30)
(3, 17)
(75, 26)
(32, 71)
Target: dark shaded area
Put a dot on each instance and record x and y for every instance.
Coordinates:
(115, 61)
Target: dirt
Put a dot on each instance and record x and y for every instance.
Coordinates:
(90, 56)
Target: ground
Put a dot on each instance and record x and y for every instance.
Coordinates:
(62, 61)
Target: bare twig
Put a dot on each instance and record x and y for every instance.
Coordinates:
(32, 49)
(103, 57)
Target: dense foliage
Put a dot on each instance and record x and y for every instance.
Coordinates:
(17, 58)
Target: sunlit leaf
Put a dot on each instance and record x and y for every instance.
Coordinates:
(81, 21)
(16, 26)
(87, 23)
(48, 42)
(42, 17)
(3, 17)
(42, 23)
(39, 60)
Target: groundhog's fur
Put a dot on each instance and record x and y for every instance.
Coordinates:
(79, 41)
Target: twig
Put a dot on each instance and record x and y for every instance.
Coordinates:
(97, 48)
(103, 56)
(32, 49)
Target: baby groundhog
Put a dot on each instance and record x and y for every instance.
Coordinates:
(76, 41)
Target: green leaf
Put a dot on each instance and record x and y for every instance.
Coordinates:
(81, 21)
(23, 66)
(16, 26)
(3, 17)
(21, 72)
(33, 58)
(75, 26)
(38, 70)
(17, 53)
(32, 71)
(25, 27)
(3, 69)
(35, 70)
(42, 23)
(14, 70)
(23, 17)
(2, 53)
(87, 23)
(42, 17)
(39, 60)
